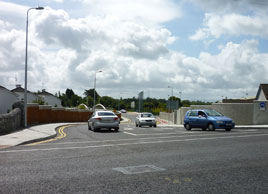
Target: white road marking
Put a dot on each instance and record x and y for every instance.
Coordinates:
(134, 143)
(128, 129)
(138, 169)
(176, 135)
(129, 133)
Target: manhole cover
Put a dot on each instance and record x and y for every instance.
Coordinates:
(138, 169)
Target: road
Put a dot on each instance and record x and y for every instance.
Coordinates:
(139, 160)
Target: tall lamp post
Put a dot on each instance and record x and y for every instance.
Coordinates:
(26, 60)
(171, 95)
(95, 86)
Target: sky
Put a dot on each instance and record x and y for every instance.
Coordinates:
(196, 49)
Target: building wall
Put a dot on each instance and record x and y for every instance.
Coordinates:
(261, 96)
(30, 96)
(52, 100)
(7, 99)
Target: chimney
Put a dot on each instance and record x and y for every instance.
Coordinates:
(18, 85)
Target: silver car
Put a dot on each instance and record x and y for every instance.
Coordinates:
(145, 118)
(103, 119)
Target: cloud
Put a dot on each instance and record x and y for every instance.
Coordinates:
(232, 24)
(231, 5)
(149, 12)
(65, 53)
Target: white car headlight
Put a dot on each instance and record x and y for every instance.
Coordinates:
(219, 122)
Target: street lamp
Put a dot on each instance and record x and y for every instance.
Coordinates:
(171, 93)
(26, 60)
(95, 86)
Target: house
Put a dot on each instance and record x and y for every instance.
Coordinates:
(7, 99)
(262, 94)
(50, 99)
(20, 92)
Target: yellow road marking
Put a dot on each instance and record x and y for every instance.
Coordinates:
(61, 133)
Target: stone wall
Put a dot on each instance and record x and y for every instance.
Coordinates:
(10, 122)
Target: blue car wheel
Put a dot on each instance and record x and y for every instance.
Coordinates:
(188, 127)
(211, 127)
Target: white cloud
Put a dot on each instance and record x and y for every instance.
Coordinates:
(230, 5)
(232, 24)
(149, 11)
(65, 52)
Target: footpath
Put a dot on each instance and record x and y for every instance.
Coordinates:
(47, 131)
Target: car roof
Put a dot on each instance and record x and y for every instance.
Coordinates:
(199, 110)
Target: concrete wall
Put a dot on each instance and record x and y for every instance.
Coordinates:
(10, 122)
(167, 116)
(260, 117)
(241, 113)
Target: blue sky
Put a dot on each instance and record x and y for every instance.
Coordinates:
(205, 49)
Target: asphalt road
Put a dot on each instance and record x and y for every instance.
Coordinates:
(139, 160)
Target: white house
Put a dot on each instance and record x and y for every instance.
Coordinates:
(50, 99)
(20, 92)
(7, 99)
(262, 94)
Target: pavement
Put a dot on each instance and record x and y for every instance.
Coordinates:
(47, 131)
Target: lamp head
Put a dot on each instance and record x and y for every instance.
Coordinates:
(39, 8)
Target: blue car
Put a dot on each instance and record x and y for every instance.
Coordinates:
(207, 119)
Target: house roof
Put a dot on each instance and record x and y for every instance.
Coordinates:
(1, 87)
(45, 93)
(264, 88)
(20, 89)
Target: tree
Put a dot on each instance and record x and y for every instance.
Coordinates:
(69, 93)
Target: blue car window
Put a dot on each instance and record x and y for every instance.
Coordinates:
(193, 114)
(213, 113)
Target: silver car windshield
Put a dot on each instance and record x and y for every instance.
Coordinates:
(106, 114)
(146, 115)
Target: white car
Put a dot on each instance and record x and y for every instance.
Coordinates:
(145, 118)
(103, 119)
(123, 111)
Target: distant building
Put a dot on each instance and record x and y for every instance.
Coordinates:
(20, 92)
(262, 94)
(50, 99)
(7, 99)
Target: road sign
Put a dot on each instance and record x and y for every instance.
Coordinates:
(262, 106)
(172, 105)
(132, 104)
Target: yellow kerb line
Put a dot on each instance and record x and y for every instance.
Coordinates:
(61, 135)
